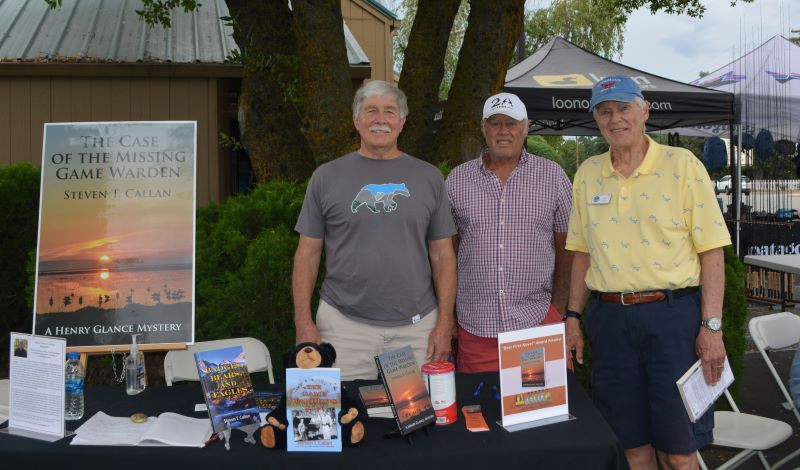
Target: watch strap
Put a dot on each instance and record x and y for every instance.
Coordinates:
(572, 314)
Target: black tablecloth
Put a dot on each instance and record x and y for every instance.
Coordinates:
(586, 442)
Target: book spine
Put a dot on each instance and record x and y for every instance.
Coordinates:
(389, 395)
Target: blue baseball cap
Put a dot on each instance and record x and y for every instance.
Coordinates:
(615, 88)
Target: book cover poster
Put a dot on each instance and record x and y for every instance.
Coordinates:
(313, 402)
(533, 374)
(407, 392)
(227, 387)
(116, 233)
(531, 364)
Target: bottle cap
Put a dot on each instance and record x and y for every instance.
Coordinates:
(134, 346)
(72, 355)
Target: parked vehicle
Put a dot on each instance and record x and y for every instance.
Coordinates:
(786, 214)
(724, 185)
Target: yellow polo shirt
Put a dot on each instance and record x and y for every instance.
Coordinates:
(644, 232)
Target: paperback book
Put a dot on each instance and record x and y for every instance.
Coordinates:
(697, 395)
(408, 396)
(168, 429)
(375, 401)
(266, 401)
(313, 402)
(227, 388)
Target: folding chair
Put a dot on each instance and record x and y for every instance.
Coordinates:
(777, 331)
(753, 434)
(179, 364)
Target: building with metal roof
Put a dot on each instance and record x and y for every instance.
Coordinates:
(97, 60)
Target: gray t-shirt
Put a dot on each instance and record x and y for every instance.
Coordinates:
(376, 217)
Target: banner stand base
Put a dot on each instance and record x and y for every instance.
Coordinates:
(537, 423)
(35, 435)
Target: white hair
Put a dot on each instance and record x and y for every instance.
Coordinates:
(380, 88)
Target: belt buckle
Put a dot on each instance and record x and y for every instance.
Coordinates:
(622, 297)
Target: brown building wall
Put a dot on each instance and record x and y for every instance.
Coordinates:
(26, 103)
(373, 31)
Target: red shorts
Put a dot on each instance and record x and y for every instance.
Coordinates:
(479, 354)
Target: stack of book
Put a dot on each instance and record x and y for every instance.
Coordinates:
(375, 401)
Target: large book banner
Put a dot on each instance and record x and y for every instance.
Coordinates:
(116, 233)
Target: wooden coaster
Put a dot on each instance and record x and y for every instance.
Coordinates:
(139, 417)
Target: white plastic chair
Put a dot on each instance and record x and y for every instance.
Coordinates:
(777, 331)
(753, 434)
(179, 364)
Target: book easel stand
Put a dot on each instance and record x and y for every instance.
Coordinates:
(248, 429)
(395, 434)
(86, 351)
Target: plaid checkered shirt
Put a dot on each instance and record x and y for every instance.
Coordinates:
(506, 253)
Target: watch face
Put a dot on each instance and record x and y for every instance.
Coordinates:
(714, 323)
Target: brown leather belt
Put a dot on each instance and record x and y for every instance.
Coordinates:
(644, 297)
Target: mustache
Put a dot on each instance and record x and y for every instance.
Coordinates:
(380, 128)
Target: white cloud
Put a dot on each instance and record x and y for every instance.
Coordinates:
(679, 47)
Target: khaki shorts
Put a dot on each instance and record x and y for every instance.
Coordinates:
(358, 343)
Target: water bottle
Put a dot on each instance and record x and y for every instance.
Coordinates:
(73, 396)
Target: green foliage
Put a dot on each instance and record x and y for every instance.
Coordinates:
(230, 142)
(245, 249)
(408, 10)
(773, 167)
(158, 11)
(734, 315)
(537, 145)
(445, 168)
(595, 25)
(19, 191)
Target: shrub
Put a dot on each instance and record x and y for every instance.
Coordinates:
(19, 191)
(537, 145)
(734, 316)
(244, 256)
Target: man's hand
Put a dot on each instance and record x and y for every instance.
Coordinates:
(306, 332)
(574, 338)
(711, 351)
(439, 343)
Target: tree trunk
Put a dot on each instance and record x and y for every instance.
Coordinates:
(269, 121)
(482, 63)
(423, 69)
(325, 78)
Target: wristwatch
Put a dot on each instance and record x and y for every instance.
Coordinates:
(713, 324)
(572, 314)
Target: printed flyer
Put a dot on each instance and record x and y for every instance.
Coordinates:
(116, 233)
(533, 376)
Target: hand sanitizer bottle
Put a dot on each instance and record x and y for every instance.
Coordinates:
(134, 369)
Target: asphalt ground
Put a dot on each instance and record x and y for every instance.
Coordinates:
(759, 394)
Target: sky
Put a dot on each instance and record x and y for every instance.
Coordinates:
(679, 47)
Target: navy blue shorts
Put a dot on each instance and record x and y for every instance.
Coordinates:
(638, 352)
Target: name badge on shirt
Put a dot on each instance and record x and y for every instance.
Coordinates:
(601, 199)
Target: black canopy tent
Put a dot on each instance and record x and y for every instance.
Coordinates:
(555, 83)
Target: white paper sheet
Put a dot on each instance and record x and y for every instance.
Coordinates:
(36, 386)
